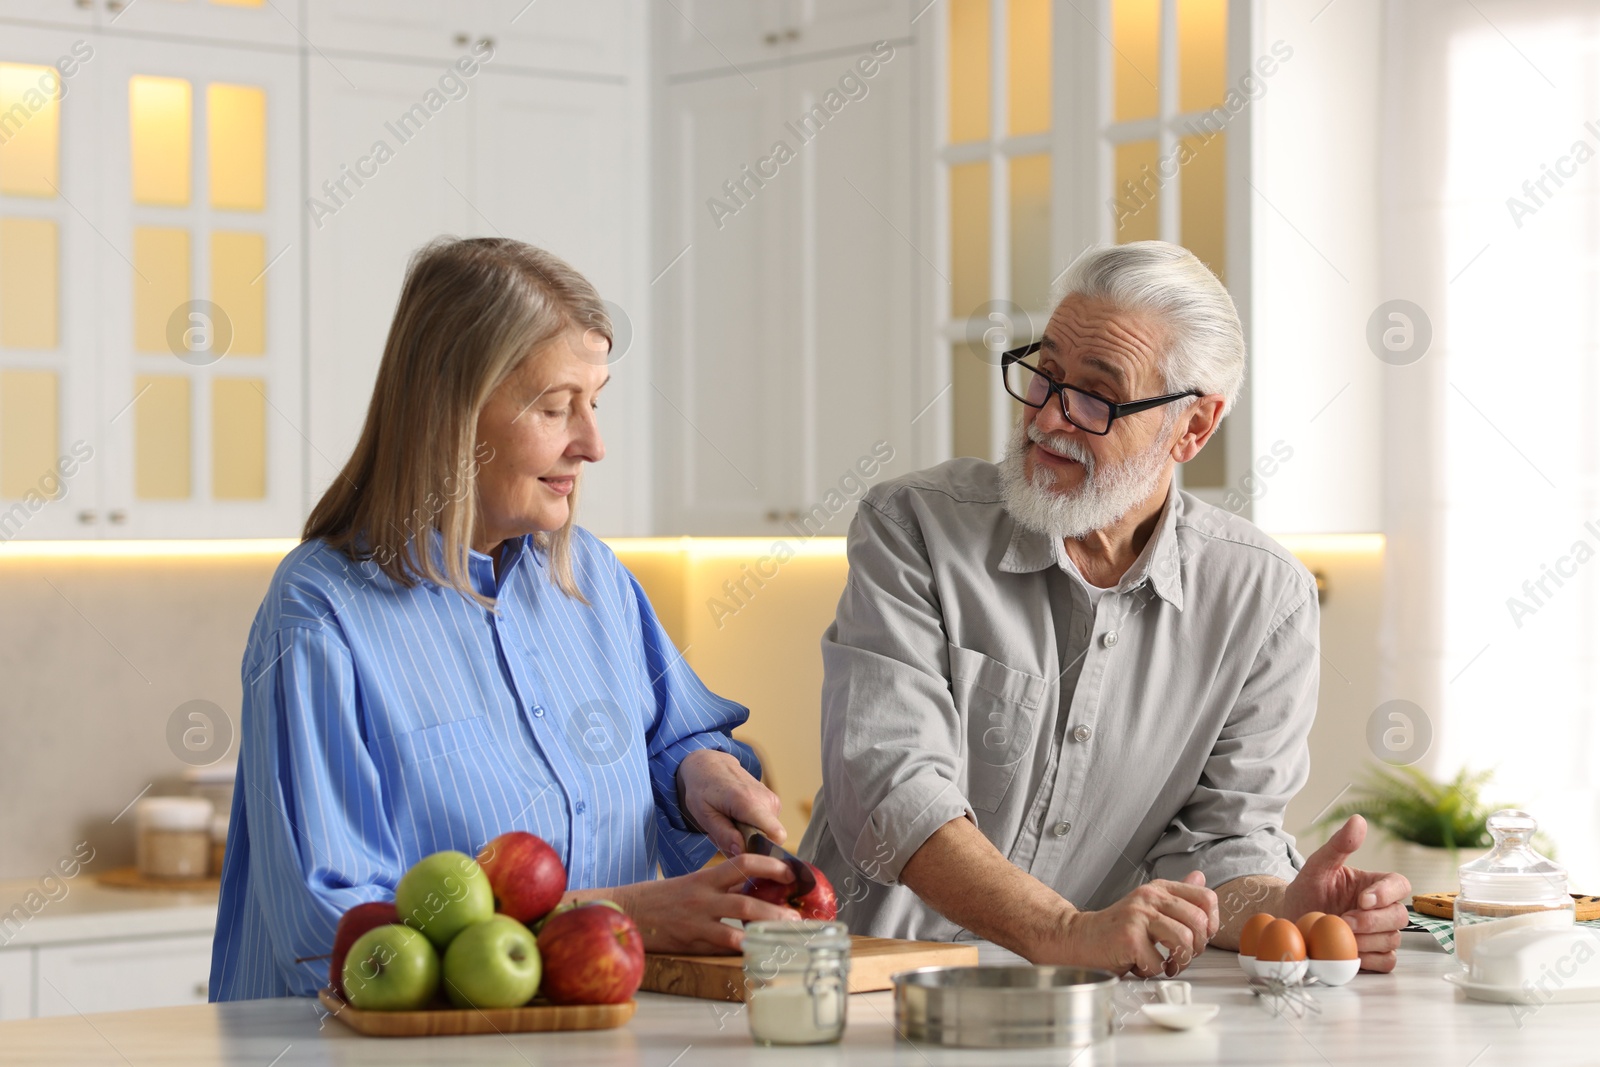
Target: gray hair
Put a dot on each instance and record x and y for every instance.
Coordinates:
(1167, 281)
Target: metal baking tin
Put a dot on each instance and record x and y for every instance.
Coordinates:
(1004, 1007)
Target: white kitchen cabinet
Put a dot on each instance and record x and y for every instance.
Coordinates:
(785, 330)
(170, 184)
(197, 445)
(578, 36)
(360, 239)
(50, 362)
(72, 13)
(725, 36)
(16, 984)
(545, 160)
(245, 22)
(155, 972)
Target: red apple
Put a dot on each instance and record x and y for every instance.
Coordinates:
(592, 955)
(819, 903)
(525, 874)
(352, 924)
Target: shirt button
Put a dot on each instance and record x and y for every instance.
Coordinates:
(1109, 639)
(1081, 733)
(538, 711)
(1061, 828)
(580, 807)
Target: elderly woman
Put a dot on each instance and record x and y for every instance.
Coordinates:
(447, 656)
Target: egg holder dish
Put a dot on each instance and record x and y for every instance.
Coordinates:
(1333, 964)
(1301, 972)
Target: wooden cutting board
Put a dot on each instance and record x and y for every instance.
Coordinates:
(1443, 906)
(444, 1022)
(872, 961)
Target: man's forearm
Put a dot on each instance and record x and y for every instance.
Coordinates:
(961, 875)
(1243, 897)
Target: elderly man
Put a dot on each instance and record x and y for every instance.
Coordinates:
(1062, 698)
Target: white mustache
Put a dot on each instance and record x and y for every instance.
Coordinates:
(1062, 445)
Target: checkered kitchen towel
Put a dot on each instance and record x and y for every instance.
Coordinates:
(1444, 932)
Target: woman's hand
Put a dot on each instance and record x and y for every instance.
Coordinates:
(717, 792)
(684, 914)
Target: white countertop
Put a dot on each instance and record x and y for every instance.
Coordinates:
(89, 911)
(1411, 1017)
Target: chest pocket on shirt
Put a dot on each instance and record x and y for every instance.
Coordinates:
(430, 742)
(999, 705)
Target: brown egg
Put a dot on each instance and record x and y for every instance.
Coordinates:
(1306, 922)
(1252, 930)
(1332, 939)
(1280, 942)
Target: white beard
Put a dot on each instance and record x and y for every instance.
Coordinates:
(1104, 496)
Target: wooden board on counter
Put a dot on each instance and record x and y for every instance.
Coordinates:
(130, 878)
(872, 961)
(446, 1022)
(1443, 906)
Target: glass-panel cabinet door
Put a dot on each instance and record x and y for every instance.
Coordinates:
(50, 442)
(201, 317)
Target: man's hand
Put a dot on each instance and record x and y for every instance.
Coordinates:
(1371, 903)
(1182, 916)
(718, 792)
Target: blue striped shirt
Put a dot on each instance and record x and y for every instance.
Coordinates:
(381, 724)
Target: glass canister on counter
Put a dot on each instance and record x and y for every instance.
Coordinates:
(1511, 887)
(174, 837)
(797, 981)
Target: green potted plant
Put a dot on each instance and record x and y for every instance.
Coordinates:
(1427, 828)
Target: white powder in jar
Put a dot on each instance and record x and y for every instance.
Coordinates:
(792, 1015)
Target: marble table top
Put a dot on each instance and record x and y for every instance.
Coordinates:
(1411, 1016)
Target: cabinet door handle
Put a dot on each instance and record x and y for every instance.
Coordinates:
(462, 40)
(773, 516)
(85, 3)
(87, 517)
(115, 5)
(791, 34)
(772, 38)
(202, 990)
(117, 517)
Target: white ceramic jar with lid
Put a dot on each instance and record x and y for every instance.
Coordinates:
(174, 837)
(796, 981)
(1511, 888)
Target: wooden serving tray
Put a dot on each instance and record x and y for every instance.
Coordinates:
(446, 1022)
(872, 961)
(130, 878)
(1443, 906)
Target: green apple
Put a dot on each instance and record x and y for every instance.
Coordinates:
(443, 894)
(391, 968)
(493, 964)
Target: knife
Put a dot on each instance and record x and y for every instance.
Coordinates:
(759, 843)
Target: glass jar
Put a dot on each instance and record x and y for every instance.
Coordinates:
(797, 981)
(174, 837)
(1513, 886)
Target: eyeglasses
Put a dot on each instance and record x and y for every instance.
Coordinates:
(1089, 413)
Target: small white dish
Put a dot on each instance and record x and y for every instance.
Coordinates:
(1501, 994)
(1247, 964)
(1181, 1016)
(1289, 972)
(1333, 972)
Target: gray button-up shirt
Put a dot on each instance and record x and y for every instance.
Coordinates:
(967, 674)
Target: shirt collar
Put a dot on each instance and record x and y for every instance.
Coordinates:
(1031, 551)
(480, 565)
